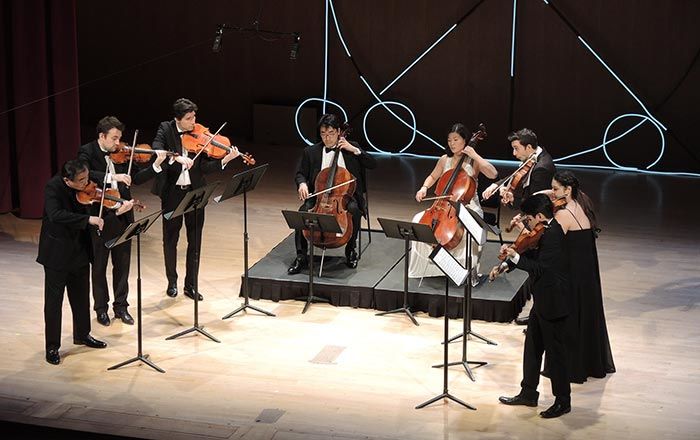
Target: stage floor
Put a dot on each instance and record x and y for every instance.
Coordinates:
(341, 372)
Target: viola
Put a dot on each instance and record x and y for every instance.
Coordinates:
(142, 153)
(455, 185)
(334, 186)
(215, 146)
(92, 194)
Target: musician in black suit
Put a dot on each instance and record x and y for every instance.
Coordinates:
(65, 253)
(96, 155)
(524, 144)
(317, 157)
(547, 267)
(173, 179)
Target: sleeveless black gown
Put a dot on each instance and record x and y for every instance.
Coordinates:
(589, 350)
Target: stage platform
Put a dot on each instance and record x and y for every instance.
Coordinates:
(377, 283)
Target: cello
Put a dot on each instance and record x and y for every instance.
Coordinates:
(455, 185)
(334, 187)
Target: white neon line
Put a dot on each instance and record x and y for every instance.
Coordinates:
(621, 82)
(418, 59)
(337, 28)
(601, 145)
(325, 64)
(512, 42)
(397, 116)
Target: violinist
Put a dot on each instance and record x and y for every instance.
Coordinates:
(538, 176)
(548, 268)
(419, 263)
(173, 179)
(97, 156)
(320, 156)
(65, 253)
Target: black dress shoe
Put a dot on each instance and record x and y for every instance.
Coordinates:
(517, 400)
(351, 259)
(556, 410)
(103, 318)
(522, 321)
(171, 291)
(190, 294)
(298, 264)
(125, 317)
(53, 357)
(91, 342)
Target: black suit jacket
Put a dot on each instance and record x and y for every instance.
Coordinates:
(540, 178)
(168, 138)
(548, 269)
(64, 242)
(310, 166)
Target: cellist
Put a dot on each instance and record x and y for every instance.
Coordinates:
(419, 263)
(320, 156)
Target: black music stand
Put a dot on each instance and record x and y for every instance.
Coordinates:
(406, 231)
(194, 201)
(135, 229)
(312, 222)
(455, 272)
(242, 183)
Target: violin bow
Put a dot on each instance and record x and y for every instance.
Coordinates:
(209, 141)
(102, 199)
(133, 150)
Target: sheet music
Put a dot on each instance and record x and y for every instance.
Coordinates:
(472, 226)
(450, 266)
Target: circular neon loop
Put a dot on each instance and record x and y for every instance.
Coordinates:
(630, 115)
(296, 115)
(384, 103)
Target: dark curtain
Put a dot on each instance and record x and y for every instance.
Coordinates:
(39, 106)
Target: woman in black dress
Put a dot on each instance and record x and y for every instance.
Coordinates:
(589, 347)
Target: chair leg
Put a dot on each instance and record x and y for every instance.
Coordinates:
(320, 266)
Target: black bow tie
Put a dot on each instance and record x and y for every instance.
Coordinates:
(328, 150)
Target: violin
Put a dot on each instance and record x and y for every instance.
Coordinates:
(142, 153)
(92, 194)
(455, 185)
(215, 146)
(334, 186)
(528, 239)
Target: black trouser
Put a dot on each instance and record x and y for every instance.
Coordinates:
(121, 261)
(171, 235)
(545, 336)
(77, 282)
(301, 243)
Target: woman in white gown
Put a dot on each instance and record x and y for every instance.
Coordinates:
(419, 264)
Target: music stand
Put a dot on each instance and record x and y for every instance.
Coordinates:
(406, 231)
(239, 184)
(135, 229)
(194, 201)
(312, 222)
(457, 273)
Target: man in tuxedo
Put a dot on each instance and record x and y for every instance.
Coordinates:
(524, 145)
(547, 267)
(64, 251)
(97, 156)
(314, 159)
(174, 178)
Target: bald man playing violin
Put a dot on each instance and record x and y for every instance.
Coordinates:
(97, 156)
(174, 178)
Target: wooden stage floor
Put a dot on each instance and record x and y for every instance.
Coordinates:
(343, 373)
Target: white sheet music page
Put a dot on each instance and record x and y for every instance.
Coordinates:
(449, 265)
(472, 226)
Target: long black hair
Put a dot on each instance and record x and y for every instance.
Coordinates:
(567, 178)
(461, 130)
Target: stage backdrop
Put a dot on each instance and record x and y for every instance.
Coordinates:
(578, 73)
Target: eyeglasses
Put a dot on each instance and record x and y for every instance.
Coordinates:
(329, 134)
